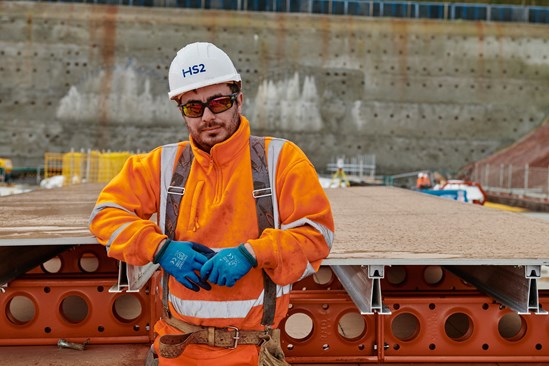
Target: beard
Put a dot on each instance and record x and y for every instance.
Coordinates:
(207, 134)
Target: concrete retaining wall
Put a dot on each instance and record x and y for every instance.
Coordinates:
(416, 93)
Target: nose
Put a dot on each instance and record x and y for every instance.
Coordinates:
(208, 115)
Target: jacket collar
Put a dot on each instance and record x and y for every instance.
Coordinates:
(224, 152)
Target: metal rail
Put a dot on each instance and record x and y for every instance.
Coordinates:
(396, 9)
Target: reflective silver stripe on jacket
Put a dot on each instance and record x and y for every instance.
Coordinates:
(167, 161)
(275, 147)
(98, 208)
(327, 233)
(221, 309)
(309, 270)
(115, 234)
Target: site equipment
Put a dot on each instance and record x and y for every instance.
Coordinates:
(6, 167)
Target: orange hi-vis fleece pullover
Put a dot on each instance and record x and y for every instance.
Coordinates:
(218, 210)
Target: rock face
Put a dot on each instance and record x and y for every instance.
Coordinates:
(531, 150)
(418, 94)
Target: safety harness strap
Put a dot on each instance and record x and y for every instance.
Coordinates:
(176, 190)
(265, 218)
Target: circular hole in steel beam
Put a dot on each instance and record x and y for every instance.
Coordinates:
(433, 275)
(512, 327)
(20, 310)
(351, 326)
(458, 327)
(74, 309)
(53, 265)
(127, 308)
(323, 276)
(405, 326)
(299, 326)
(88, 262)
(396, 275)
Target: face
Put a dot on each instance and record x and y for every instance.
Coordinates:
(211, 129)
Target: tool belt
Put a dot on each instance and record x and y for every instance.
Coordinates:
(173, 345)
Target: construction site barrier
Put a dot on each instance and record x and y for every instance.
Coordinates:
(79, 167)
(518, 180)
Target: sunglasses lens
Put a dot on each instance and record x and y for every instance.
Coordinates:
(193, 109)
(216, 105)
(220, 104)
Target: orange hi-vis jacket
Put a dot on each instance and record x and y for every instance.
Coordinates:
(218, 210)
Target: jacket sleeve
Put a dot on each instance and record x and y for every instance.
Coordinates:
(120, 218)
(306, 232)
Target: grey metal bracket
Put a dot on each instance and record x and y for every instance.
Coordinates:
(532, 273)
(513, 286)
(133, 278)
(363, 287)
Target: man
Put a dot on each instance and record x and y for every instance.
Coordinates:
(210, 245)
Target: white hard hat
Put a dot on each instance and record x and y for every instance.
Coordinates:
(197, 65)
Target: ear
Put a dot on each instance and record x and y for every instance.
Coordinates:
(239, 100)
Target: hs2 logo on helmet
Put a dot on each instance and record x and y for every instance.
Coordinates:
(192, 70)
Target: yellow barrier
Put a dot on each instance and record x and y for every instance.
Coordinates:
(79, 167)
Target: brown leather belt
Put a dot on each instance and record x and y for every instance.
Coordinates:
(173, 345)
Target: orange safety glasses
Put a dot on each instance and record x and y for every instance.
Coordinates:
(195, 108)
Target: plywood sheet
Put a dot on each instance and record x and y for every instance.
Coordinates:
(386, 225)
(48, 216)
(374, 225)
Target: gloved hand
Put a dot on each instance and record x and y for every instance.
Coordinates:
(228, 266)
(181, 259)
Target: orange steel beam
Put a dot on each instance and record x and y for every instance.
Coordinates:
(424, 328)
(435, 316)
(463, 329)
(86, 260)
(323, 341)
(38, 312)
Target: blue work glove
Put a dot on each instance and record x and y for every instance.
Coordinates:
(181, 259)
(228, 266)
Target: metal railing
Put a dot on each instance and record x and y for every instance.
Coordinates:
(403, 180)
(360, 166)
(379, 8)
(521, 181)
